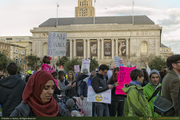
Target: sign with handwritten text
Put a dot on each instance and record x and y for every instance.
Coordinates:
(103, 97)
(57, 44)
(76, 68)
(123, 78)
(85, 105)
(85, 64)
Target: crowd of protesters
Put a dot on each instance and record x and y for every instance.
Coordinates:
(47, 92)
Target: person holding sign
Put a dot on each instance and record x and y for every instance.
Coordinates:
(136, 104)
(117, 101)
(99, 85)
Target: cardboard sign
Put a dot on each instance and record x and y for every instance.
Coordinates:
(103, 97)
(57, 44)
(85, 105)
(76, 68)
(116, 61)
(85, 64)
(123, 78)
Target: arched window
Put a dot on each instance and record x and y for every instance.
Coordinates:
(45, 49)
(143, 48)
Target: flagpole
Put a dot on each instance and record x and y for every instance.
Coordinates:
(94, 11)
(57, 16)
(133, 12)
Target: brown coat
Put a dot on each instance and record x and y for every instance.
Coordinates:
(170, 88)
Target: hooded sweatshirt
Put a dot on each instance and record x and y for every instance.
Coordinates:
(149, 89)
(11, 89)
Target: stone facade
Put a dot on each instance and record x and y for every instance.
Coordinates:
(84, 9)
(103, 41)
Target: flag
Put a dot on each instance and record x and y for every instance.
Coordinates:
(148, 69)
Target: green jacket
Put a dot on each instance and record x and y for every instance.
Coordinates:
(135, 103)
(148, 91)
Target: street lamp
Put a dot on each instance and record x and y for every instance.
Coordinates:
(91, 63)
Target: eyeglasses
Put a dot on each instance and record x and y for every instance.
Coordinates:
(116, 74)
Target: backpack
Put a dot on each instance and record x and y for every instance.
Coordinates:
(163, 106)
(79, 87)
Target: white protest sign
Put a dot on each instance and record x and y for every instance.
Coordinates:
(76, 68)
(116, 61)
(83, 104)
(85, 64)
(103, 97)
(57, 44)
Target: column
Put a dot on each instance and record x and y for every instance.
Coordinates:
(70, 42)
(112, 48)
(74, 47)
(116, 47)
(98, 48)
(88, 48)
(102, 48)
(127, 46)
(84, 48)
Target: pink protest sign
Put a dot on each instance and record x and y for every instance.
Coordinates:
(123, 78)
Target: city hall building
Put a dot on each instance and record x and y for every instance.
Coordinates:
(128, 37)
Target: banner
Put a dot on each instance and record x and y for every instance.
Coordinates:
(93, 47)
(107, 48)
(79, 48)
(122, 48)
(85, 64)
(76, 68)
(116, 61)
(123, 78)
(103, 97)
(85, 105)
(57, 44)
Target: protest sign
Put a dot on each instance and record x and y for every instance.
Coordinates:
(123, 78)
(103, 97)
(85, 105)
(57, 44)
(85, 64)
(116, 61)
(76, 68)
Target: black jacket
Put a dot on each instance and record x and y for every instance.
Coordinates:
(11, 89)
(55, 93)
(115, 97)
(99, 84)
(79, 83)
(24, 110)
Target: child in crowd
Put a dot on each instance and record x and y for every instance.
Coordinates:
(48, 68)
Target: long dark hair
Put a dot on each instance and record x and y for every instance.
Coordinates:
(113, 74)
(61, 74)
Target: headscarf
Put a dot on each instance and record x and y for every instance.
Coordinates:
(32, 92)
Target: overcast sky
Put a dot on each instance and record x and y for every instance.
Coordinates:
(18, 17)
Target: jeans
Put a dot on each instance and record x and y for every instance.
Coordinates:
(94, 109)
(116, 106)
(102, 109)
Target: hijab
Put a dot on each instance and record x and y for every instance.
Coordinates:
(32, 92)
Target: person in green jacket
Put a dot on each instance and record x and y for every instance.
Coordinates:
(136, 104)
(151, 87)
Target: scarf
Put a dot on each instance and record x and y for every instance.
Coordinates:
(32, 92)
